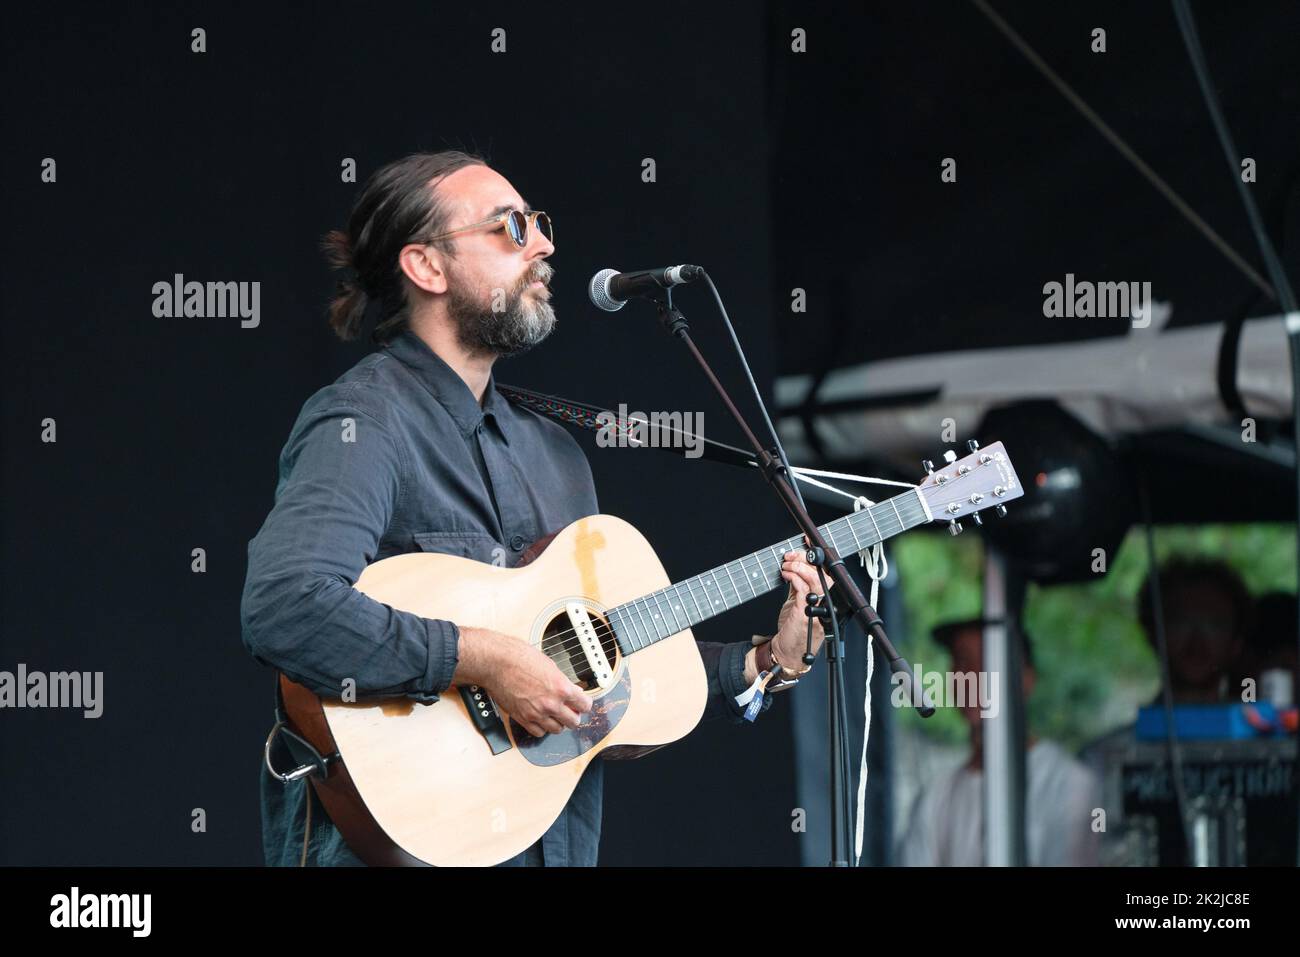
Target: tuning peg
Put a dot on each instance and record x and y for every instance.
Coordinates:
(978, 520)
(1002, 511)
(954, 527)
(972, 445)
(928, 466)
(950, 456)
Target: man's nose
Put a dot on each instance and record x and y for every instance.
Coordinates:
(539, 247)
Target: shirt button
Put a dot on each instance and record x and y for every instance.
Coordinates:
(517, 542)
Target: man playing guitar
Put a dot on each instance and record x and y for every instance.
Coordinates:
(414, 449)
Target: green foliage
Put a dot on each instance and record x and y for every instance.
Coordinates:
(1094, 664)
(942, 579)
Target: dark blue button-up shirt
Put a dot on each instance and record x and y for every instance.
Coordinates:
(397, 456)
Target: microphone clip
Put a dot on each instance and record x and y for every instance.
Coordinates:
(669, 315)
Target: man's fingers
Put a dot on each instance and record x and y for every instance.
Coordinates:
(795, 562)
(803, 582)
(563, 714)
(577, 699)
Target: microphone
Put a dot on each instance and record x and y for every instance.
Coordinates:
(610, 289)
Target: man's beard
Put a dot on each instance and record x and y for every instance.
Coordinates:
(524, 321)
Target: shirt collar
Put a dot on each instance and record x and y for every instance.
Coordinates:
(445, 385)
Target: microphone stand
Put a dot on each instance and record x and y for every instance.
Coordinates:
(775, 470)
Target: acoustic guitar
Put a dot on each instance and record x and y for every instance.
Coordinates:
(456, 781)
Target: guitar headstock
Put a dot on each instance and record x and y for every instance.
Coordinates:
(960, 487)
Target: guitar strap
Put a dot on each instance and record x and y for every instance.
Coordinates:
(567, 411)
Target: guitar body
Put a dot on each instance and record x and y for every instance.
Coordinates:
(419, 784)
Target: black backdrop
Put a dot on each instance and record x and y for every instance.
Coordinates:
(897, 262)
(225, 166)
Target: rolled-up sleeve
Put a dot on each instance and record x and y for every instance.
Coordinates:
(724, 664)
(341, 478)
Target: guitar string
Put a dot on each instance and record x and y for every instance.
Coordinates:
(567, 646)
(569, 640)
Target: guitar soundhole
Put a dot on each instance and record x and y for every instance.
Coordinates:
(562, 645)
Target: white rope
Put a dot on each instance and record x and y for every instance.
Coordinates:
(800, 472)
(859, 502)
(876, 571)
(862, 765)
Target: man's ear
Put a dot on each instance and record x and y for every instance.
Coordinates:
(425, 267)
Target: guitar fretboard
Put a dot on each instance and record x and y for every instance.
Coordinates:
(661, 614)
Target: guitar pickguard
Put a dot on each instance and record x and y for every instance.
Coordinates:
(606, 712)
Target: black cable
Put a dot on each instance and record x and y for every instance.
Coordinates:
(753, 386)
(1166, 685)
(1227, 360)
(1125, 150)
(840, 712)
(1281, 286)
(1284, 295)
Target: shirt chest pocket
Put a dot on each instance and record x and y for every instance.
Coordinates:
(476, 546)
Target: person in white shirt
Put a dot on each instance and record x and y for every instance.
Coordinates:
(946, 825)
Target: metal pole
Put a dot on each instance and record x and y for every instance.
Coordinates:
(1004, 751)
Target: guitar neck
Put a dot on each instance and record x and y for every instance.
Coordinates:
(661, 614)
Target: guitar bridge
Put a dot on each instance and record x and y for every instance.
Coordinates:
(483, 712)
